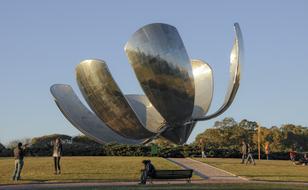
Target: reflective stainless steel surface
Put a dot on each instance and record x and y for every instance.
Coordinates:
(178, 91)
(178, 134)
(162, 66)
(107, 101)
(203, 78)
(146, 112)
(235, 71)
(82, 118)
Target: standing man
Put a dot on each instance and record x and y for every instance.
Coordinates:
(202, 148)
(249, 155)
(57, 153)
(244, 151)
(203, 152)
(19, 154)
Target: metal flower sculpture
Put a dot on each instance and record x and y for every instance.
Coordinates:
(178, 91)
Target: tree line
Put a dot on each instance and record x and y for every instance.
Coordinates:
(221, 140)
(228, 134)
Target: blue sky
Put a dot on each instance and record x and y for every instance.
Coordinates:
(41, 44)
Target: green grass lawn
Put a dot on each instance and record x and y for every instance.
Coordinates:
(91, 169)
(80, 169)
(270, 170)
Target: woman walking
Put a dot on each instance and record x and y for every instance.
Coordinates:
(57, 152)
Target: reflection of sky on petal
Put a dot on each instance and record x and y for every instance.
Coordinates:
(203, 79)
(201, 71)
(161, 64)
(234, 59)
(107, 101)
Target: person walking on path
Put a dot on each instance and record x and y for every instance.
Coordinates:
(244, 151)
(19, 154)
(202, 148)
(249, 155)
(203, 153)
(57, 153)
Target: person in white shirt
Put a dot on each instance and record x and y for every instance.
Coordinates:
(57, 153)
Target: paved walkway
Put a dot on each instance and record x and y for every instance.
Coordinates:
(39, 186)
(206, 171)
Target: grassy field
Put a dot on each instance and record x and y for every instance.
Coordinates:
(270, 170)
(80, 169)
(92, 169)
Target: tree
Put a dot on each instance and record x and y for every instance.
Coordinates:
(163, 142)
(228, 134)
(14, 143)
(1, 147)
(294, 136)
(226, 122)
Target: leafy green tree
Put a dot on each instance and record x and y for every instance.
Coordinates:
(163, 142)
(24, 141)
(228, 134)
(1, 147)
(294, 136)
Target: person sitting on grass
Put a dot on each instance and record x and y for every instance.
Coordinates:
(303, 161)
(149, 171)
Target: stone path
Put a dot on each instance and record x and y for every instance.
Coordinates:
(39, 186)
(206, 171)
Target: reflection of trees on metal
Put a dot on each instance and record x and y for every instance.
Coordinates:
(178, 91)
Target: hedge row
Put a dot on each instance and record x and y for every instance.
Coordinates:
(95, 149)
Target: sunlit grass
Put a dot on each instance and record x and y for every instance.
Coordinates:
(271, 170)
(80, 169)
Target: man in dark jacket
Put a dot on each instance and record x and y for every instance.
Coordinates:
(249, 155)
(19, 155)
(149, 170)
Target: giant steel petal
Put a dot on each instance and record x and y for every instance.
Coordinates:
(146, 112)
(178, 134)
(235, 73)
(203, 78)
(107, 101)
(82, 118)
(162, 66)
